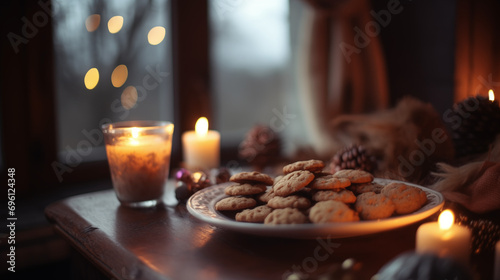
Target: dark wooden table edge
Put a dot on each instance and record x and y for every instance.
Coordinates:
(134, 268)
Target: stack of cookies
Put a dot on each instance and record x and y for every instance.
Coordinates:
(304, 193)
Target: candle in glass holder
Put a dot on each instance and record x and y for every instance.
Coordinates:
(444, 238)
(139, 159)
(201, 147)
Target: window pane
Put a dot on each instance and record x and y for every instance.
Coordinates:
(250, 57)
(113, 63)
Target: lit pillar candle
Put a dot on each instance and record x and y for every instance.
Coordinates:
(444, 238)
(201, 147)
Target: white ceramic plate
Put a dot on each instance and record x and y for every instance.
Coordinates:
(202, 206)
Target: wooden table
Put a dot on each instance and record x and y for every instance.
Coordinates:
(168, 243)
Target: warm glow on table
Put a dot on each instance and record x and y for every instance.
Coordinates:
(201, 147)
(444, 238)
(491, 95)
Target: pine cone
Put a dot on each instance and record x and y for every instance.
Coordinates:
(261, 146)
(352, 157)
(474, 124)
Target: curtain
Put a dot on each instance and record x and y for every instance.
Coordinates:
(340, 66)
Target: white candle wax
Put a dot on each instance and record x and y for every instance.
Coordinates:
(453, 242)
(201, 151)
(139, 167)
(201, 147)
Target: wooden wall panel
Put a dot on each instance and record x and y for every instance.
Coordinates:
(477, 48)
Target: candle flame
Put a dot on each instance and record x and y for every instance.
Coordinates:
(196, 177)
(201, 126)
(446, 219)
(491, 95)
(135, 132)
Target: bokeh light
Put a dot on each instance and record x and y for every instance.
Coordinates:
(115, 24)
(156, 35)
(119, 75)
(91, 78)
(129, 97)
(92, 22)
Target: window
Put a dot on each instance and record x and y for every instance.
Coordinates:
(250, 62)
(113, 62)
(99, 61)
(253, 68)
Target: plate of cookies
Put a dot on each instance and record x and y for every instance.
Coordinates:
(306, 202)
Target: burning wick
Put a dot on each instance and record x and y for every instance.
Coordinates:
(491, 95)
(446, 219)
(201, 127)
